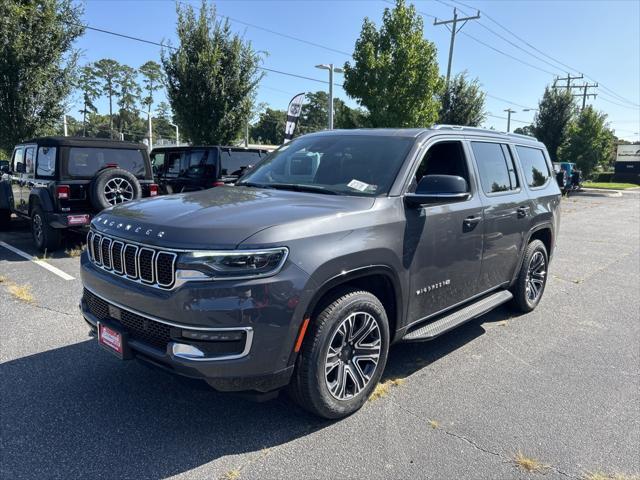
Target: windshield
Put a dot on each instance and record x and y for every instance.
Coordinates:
(348, 164)
(85, 162)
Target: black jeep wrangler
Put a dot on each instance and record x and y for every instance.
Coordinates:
(191, 168)
(61, 182)
(335, 246)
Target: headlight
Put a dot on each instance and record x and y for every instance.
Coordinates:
(236, 263)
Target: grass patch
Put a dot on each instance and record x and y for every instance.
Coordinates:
(528, 464)
(434, 424)
(610, 185)
(231, 475)
(75, 251)
(606, 476)
(383, 388)
(21, 292)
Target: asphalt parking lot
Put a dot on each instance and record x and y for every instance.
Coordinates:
(561, 385)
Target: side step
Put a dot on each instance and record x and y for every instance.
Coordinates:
(452, 320)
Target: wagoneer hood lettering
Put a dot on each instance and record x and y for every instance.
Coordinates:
(219, 218)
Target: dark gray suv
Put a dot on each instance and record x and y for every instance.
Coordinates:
(337, 245)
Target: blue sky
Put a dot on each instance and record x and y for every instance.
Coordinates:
(598, 38)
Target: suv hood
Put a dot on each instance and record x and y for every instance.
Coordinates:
(219, 218)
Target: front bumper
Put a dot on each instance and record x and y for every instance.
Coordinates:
(263, 316)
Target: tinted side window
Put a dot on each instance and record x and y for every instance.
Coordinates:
(46, 161)
(443, 158)
(496, 170)
(536, 170)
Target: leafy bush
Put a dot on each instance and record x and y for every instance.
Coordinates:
(603, 177)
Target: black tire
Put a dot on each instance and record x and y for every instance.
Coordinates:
(45, 237)
(5, 219)
(310, 385)
(113, 186)
(532, 278)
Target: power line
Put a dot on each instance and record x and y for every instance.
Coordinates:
(506, 54)
(164, 45)
(508, 101)
(547, 55)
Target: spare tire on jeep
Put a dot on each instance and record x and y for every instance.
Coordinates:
(113, 186)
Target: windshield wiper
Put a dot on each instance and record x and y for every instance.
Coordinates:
(303, 188)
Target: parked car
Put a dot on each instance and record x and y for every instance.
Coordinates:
(62, 182)
(328, 251)
(187, 169)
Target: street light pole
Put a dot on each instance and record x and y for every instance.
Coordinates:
(150, 130)
(331, 69)
(509, 112)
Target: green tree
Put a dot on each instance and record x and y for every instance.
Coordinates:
(315, 114)
(211, 77)
(462, 102)
(128, 92)
(89, 86)
(108, 72)
(269, 129)
(526, 130)
(555, 112)
(37, 65)
(395, 71)
(590, 142)
(152, 79)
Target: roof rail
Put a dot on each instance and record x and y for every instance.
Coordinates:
(464, 127)
(480, 129)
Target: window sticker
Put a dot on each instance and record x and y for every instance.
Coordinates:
(358, 185)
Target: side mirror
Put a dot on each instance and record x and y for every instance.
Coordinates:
(19, 167)
(5, 169)
(439, 189)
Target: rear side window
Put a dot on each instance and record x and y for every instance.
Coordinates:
(200, 163)
(497, 173)
(46, 161)
(536, 170)
(234, 162)
(18, 157)
(86, 162)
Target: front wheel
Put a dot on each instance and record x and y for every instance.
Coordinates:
(45, 237)
(532, 278)
(343, 355)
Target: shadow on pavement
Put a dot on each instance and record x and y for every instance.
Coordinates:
(76, 411)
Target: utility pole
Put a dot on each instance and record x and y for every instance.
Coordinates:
(150, 130)
(64, 124)
(585, 93)
(454, 29)
(568, 79)
(509, 112)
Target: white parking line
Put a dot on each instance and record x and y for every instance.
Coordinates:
(37, 261)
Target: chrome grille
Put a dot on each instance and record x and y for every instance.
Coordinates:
(143, 264)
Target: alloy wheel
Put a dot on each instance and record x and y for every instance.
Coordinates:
(535, 276)
(37, 228)
(353, 355)
(118, 190)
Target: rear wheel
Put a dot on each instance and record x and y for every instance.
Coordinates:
(532, 278)
(343, 355)
(5, 219)
(44, 236)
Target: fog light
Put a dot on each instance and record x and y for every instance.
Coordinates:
(231, 336)
(181, 350)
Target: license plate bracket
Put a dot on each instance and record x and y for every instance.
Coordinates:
(114, 340)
